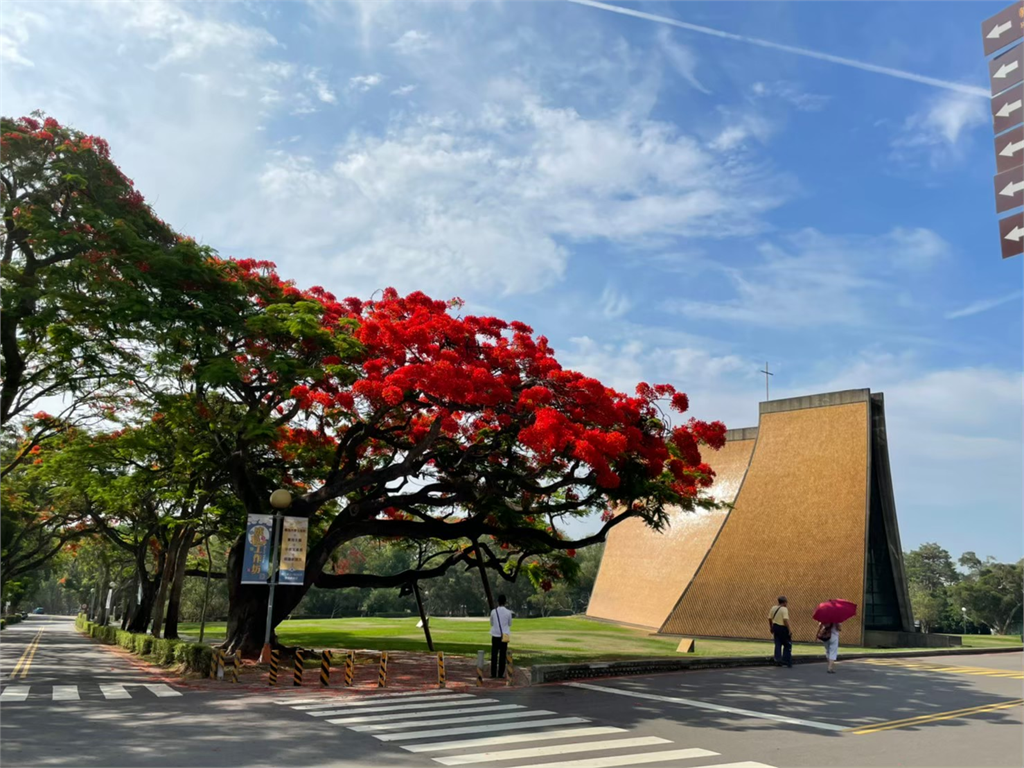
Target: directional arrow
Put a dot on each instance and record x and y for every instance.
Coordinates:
(1011, 235)
(998, 29)
(1006, 70)
(1011, 149)
(1008, 148)
(1012, 188)
(1002, 29)
(1008, 109)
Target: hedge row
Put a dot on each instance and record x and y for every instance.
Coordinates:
(195, 657)
(10, 620)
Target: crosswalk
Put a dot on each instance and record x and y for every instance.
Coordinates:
(12, 694)
(454, 726)
(921, 666)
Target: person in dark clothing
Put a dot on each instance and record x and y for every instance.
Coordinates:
(778, 621)
(501, 633)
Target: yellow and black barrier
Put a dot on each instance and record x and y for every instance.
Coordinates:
(350, 667)
(216, 662)
(441, 678)
(297, 676)
(382, 672)
(510, 672)
(275, 664)
(325, 668)
(236, 666)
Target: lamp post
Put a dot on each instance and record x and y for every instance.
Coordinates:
(280, 500)
(964, 612)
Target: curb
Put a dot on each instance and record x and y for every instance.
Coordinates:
(558, 673)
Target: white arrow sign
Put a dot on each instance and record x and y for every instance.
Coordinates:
(1008, 107)
(1012, 148)
(998, 29)
(1012, 188)
(1006, 69)
(1015, 234)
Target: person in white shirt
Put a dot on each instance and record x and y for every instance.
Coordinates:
(501, 633)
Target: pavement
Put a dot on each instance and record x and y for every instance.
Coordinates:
(929, 711)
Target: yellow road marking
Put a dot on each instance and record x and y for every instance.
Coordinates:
(934, 718)
(984, 671)
(26, 657)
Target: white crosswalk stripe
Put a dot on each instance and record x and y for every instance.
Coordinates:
(634, 759)
(371, 699)
(557, 749)
(518, 738)
(438, 713)
(429, 720)
(451, 720)
(86, 692)
(339, 709)
(480, 729)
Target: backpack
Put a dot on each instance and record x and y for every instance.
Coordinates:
(825, 633)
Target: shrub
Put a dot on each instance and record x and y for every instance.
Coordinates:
(195, 657)
(3, 623)
(163, 650)
(143, 645)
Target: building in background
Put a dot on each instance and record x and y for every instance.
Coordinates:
(809, 513)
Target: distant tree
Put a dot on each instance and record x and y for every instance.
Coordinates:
(991, 592)
(930, 573)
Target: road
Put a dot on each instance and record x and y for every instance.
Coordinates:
(907, 712)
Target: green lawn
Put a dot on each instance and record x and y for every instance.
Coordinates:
(534, 641)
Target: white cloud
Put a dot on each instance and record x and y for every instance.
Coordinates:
(320, 87)
(682, 58)
(413, 41)
(983, 305)
(818, 279)
(495, 203)
(790, 93)
(18, 23)
(739, 129)
(938, 133)
(364, 83)
(403, 90)
(614, 304)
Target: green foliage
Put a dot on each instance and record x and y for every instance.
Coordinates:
(163, 651)
(143, 645)
(195, 657)
(991, 592)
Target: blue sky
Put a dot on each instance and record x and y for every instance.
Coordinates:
(664, 204)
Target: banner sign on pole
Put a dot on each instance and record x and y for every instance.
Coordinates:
(256, 561)
(293, 550)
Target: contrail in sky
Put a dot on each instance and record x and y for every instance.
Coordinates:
(903, 75)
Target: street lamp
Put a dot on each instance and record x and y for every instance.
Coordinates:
(280, 500)
(964, 612)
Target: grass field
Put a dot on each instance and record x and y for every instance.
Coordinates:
(534, 641)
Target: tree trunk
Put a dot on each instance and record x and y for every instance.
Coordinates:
(174, 596)
(423, 615)
(483, 577)
(139, 621)
(166, 577)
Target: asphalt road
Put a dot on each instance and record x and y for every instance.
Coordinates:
(919, 712)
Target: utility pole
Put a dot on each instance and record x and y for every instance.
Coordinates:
(766, 373)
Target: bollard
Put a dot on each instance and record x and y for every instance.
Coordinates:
(350, 667)
(297, 677)
(479, 667)
(440, 669)
(236, 666)
(275, 663)
(325, 668)
(221, 656)
(510, 673)
(382, 673)
(214, 663)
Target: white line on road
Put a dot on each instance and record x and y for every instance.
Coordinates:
(448, 701)
(66, 693)
(160, 689)
(634, 759)
(494, 741)
(363, 699)
(480, 729)
(713, 707)
(451, 720)
(112, 691)
(432, 713)
(557, 749)
(15, 693)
